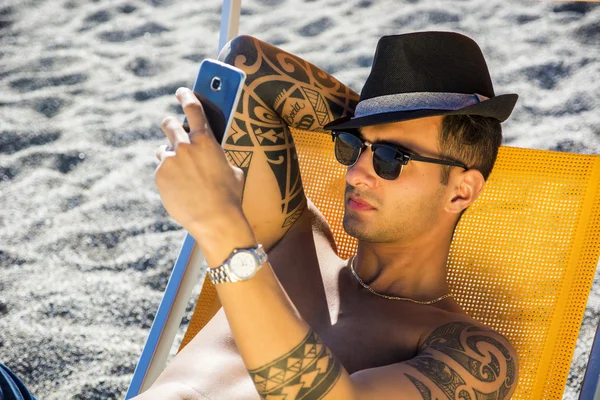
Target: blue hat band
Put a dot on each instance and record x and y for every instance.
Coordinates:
(416, 101)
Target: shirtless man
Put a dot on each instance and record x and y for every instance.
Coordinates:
(309, 324)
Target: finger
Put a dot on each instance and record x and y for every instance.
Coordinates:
(163, 152)
(198, 123)
(174, 132)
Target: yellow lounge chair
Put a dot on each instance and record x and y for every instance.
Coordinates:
(522, 260)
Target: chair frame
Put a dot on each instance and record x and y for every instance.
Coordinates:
(590, 388)
(186, 273)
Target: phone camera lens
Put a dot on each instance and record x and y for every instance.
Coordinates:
(215, 84)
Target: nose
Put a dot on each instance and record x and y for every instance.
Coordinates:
(362, 172)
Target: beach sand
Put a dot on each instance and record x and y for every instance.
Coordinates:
(86, 247)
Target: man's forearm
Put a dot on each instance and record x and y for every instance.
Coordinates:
(280, 350)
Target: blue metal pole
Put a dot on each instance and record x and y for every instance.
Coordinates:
(161, 317)
(590, 388)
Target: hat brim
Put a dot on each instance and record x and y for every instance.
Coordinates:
(499, 107)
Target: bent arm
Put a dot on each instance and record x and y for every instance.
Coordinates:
(281, 91)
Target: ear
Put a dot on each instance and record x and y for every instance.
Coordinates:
(467, 187)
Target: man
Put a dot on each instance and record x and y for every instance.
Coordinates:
(307, 324)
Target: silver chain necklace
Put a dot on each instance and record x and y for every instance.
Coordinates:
(392, 297)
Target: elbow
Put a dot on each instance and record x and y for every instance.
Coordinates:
(242, 45)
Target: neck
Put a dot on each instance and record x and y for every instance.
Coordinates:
(416, 271)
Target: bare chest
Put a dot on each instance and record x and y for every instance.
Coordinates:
(363, 331)
(367, 342)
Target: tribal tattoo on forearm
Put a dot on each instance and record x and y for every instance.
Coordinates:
(480, 358)
(309, 371)
(280, 91)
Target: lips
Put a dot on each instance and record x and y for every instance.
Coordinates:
(359, 204)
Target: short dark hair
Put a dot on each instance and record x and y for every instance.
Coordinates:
(471, 139)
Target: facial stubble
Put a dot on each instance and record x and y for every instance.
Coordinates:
(405, 222)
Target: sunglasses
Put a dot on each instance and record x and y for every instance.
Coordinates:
(388, 160)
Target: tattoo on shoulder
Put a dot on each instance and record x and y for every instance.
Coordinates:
(480, 360)
(308, 371)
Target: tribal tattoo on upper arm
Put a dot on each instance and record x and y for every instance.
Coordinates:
(308, 371)
(281, 91)
(464, 361)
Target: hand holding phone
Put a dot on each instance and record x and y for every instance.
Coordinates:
(198, 186)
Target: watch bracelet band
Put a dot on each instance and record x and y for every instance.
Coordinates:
(219, 274)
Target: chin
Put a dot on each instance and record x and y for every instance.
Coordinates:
(357, 228)
(369, 231)
(350, 225)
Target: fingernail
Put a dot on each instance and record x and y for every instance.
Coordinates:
(179, 91)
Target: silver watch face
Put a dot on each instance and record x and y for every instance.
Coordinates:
(243, 265)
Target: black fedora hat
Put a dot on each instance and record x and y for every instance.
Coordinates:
(426, 74)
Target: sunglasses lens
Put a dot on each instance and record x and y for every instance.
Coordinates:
(386, 164)
(347, 148)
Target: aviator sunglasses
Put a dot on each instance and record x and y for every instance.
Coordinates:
(388, 160)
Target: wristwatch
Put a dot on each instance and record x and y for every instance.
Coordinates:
(241, 265)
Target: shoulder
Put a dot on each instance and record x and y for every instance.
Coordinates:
(459, 358)
(465, 331)
(482, 355)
